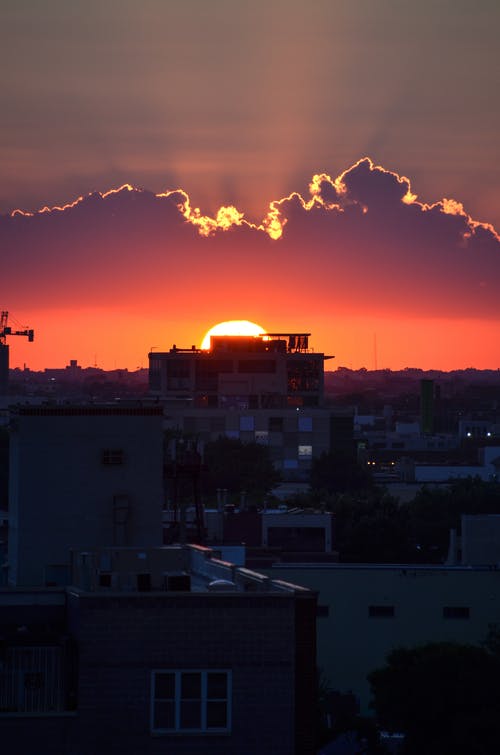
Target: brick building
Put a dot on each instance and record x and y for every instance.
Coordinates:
(159, 650)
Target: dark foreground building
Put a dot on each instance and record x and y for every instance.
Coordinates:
(158, 650)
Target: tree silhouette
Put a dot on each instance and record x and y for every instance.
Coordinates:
(238, 467)
(444, 697)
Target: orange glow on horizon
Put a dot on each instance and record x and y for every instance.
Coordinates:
(247, 271)
(61, 335)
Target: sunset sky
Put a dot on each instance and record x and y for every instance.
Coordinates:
(354, 144)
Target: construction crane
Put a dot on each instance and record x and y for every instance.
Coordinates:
(6, 330)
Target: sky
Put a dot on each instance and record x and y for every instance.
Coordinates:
(352, 146)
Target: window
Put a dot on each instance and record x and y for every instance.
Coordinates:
(381, 612)
(275, 424)
(305, 424)
(190, 425)
(456, 612)
(247, 423)
(190, 701)
(112, 456)
(255, 366)
(305, 452)
(217, 424)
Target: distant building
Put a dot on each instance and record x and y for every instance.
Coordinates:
(81, 475)
(269, 371)
(267, 389)
(155, 650)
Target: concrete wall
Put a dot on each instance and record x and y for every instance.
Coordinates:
(351, 643)
(62, 494)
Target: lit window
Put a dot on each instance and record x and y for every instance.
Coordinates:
(190, 701)
(305, 424)
(246, 423)
(305, 452)
(112, 456)
(262, 436)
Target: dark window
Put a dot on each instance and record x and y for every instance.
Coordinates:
(217, 424)
(456, 612)
(113, 456)
(190, 425)
(178, 368)
(144, 582)
(275, 424)
(207, 373)
(154, 374)
(253, 366)
(381, 612)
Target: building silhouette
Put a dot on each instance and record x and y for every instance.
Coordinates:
(267, 389)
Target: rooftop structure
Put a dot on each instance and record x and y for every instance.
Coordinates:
(81, 474)
(271, 370)
(191, 655)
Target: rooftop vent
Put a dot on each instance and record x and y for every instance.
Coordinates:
(222, 585)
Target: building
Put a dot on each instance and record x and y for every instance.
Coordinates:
(366, 610)
(267, 389)
(269, 371)
(158, 649)
(79, 476)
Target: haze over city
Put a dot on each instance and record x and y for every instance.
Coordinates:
(332, 168)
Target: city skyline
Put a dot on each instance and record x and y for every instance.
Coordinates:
(332, 168)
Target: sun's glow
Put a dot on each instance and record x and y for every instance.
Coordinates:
(232, 328)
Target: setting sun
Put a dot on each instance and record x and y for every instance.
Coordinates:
(232, 328)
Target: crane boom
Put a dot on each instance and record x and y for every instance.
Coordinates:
(6, 330)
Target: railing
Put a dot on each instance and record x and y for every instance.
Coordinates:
(32, 680)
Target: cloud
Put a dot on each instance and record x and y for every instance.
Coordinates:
(361, 242)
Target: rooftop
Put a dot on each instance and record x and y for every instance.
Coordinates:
(167, 569)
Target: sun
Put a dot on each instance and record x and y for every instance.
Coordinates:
(232, 328)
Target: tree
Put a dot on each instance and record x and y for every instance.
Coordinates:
(338, 471)
(434, 511)
(238, 467)
(444, 697)
(370, 526)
